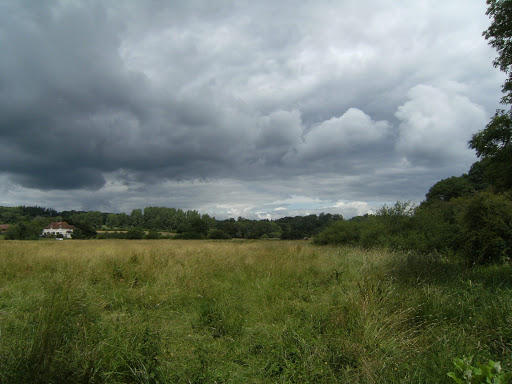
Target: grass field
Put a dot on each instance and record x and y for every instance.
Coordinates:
(117, 311)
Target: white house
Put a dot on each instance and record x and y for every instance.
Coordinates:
(59, 228)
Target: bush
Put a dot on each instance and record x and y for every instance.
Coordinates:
(218, 234)
(23, 231)
(153, 235)
(487, 228)
(135, 233)
(77, 234)
(436, 227)
(470, 373)
(87, 229)
(341, 232)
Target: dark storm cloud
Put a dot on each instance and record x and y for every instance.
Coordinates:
(141, 100)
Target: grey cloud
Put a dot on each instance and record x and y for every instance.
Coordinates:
(326, 99)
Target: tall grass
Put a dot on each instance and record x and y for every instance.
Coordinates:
(160, 311)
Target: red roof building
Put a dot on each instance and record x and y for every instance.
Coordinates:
(59, 228)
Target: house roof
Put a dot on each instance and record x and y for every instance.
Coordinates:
(59, 225)
(4, 227)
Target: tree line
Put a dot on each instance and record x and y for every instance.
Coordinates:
(150, 222)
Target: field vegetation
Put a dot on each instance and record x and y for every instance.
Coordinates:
(237, 311)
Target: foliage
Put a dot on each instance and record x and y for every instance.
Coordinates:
(218, 234)
(478, 175)
(190, 223)
(11, 215)
(435, 227)
(135, 233)
(477, 227)
(499, 35)
(390, 226)
(494, 144)
(86, 230)
(152, 235)
(487, 228)
(467, 373)
(299, 227)
(450, 188)
(23, 231)
(78, 234)
(340, 232)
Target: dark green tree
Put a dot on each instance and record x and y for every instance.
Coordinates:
(487, 228)
(218, 234)
(153, 235)
(477, 175)
(449, 188)
(23, 230)
(78, 234)
(494, 146)
(499, 35)
(87, 231)
(112, 220)
(136, 217)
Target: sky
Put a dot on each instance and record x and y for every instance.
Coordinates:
(260, 109)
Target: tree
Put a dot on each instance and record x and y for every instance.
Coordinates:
(487, 228)
(23, 230)
(78, 234)
(87, 231)
(124, 220)
(449, 188)
(112, 221)
(477, 175)
(218, 234)
(494, 146)
(95, 218)
(499, 35)
(136, 217)
(494, 143)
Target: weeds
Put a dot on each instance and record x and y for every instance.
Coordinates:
(467, 373)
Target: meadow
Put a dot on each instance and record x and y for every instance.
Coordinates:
(163, 311)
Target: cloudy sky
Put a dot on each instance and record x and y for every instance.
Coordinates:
(239, 108)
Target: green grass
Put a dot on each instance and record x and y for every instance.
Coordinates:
(115, 311)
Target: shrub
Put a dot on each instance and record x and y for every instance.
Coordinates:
(487, 228)
(23, 231)
(467, 373)
(341, 232)
(135, 233)
(152, 235)
(218, 234)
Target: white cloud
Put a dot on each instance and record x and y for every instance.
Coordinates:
(436, 124)
(353, 208)
(345, 133)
